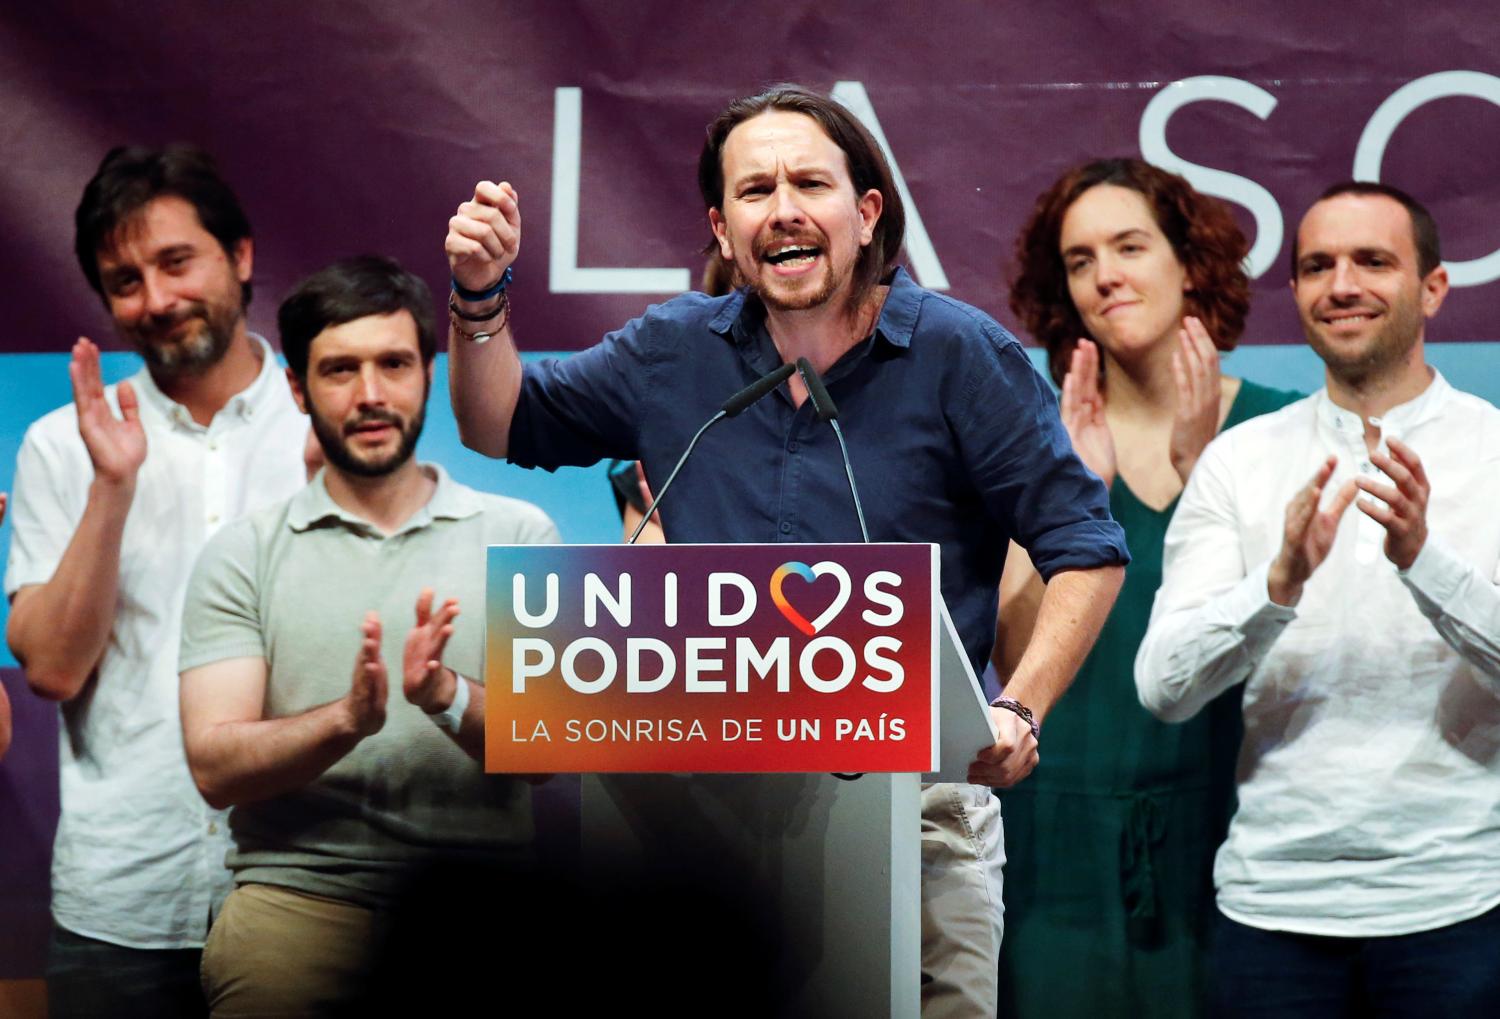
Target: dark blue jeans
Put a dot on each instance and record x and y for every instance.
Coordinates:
(1449, 973)
(87, 979)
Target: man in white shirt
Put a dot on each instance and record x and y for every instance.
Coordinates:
(1361, 867)
(114, 497)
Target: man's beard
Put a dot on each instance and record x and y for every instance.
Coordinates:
(1387, 348)
(803, 297)
(800, 300)
(336, 450)
(208, 332)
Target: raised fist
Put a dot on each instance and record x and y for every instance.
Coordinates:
(484, 236)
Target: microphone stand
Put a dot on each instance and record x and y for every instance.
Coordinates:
(823, 404)
(733, 406)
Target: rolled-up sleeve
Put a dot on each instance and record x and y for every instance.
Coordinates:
(1023, 462)
(574, 411)
(48, 499)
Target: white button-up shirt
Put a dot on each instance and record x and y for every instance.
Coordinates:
(139, 857)
(1369, 776)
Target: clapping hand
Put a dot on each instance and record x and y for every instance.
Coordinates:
(1083, 413)
(1195, 371)
(1404, 515)
(1309, 534)
(367, 690)
(425, 681)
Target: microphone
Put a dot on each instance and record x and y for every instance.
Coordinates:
(733, 407)
(752, 393)
(823, 404)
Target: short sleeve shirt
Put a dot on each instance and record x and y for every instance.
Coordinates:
(139, 857)
(292, 585)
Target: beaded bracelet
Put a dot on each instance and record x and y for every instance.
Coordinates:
(457, 318)
(483, 316)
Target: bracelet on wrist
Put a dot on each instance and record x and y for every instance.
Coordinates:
(457, 318)
(493, 290)
(480, 316)
(1017, 708)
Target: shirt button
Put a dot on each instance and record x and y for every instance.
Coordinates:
(213, 827)
(213, 518)
(786, 528)
(213, 447)
(791, 447)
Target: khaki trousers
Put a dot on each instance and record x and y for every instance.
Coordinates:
(963, 852)
(278, 952)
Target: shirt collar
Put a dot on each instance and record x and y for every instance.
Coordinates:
(245, 404)
(450, 501)
(742, 314)
(1397, 421)
(898, 318)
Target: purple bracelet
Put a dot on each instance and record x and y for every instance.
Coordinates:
(1012, 705)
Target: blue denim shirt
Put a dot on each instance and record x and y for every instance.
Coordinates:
(954, 438)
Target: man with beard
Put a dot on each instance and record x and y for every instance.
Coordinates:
(1359, 873)
(114, 497)
(340, 786)
(945, 418)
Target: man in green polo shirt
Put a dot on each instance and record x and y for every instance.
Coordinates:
(347, 744)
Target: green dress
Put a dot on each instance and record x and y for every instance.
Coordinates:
(1110, 843)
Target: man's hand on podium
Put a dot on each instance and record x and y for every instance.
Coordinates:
(1011, 758)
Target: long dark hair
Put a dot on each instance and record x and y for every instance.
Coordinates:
(867, 169)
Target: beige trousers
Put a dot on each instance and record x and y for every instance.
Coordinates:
(278, 952)
(963, 851)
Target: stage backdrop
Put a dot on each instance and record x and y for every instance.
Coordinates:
(352, 128)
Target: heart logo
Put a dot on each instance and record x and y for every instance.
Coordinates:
(810, 574)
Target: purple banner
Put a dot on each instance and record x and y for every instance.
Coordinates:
(356, 128)
(349, 128)
(28, 819)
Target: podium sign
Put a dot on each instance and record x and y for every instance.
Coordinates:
(711, 658)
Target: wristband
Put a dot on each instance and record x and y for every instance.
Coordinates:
(452, 719)
(1016, 707)
(494, 290)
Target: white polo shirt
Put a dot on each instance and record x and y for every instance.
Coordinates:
(1369, 775)
(139, 857)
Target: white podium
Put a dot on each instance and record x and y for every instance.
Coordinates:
(837, 862)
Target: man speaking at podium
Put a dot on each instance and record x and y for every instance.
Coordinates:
(948, 427)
